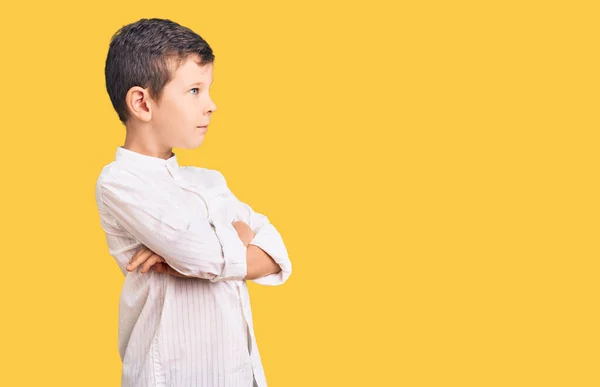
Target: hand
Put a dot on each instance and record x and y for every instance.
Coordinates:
(151, 260)
(244, 232)
(163, 267)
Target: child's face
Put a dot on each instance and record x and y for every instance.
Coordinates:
(185, 106)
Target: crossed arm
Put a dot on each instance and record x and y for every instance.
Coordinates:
(259, 263)
(216, 248)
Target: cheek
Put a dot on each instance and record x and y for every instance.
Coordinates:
(166, 112)
(179, 116)
(182, 115)
(187, 112)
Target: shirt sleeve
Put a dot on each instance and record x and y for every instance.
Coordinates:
(191, 244)
(268, 239)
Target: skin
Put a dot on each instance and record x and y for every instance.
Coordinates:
(156, 127)
(174, 120)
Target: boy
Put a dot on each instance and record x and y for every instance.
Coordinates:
(184, 242)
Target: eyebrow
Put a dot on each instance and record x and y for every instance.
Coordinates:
(196, 84)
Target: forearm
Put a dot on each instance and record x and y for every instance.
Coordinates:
(259, 263)
(193, 245)
(260, 233)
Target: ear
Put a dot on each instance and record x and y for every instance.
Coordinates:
(139, 103)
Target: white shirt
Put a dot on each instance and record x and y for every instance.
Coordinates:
(184, 332)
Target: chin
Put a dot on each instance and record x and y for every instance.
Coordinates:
(195, 144)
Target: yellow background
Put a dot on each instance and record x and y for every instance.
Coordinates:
(432, 167)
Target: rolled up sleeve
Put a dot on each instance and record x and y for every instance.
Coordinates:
(191, 244)
(269, 240)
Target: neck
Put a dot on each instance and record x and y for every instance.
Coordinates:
(145, 144)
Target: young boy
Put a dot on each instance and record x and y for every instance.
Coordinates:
(184, 242)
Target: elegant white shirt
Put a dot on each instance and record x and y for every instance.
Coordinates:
(181, 332)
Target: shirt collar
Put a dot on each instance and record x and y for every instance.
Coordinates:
(144, 161)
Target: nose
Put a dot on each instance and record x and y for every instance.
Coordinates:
(211, 108)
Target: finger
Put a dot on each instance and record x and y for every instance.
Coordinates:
(142, 250)
(159, 267)
(244, 227)
(141, 258)
(160, 259)
(148, 264)
(238, 223)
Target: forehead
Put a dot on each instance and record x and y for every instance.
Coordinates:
(191, 71)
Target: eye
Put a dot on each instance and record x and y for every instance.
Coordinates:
(197, 90)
